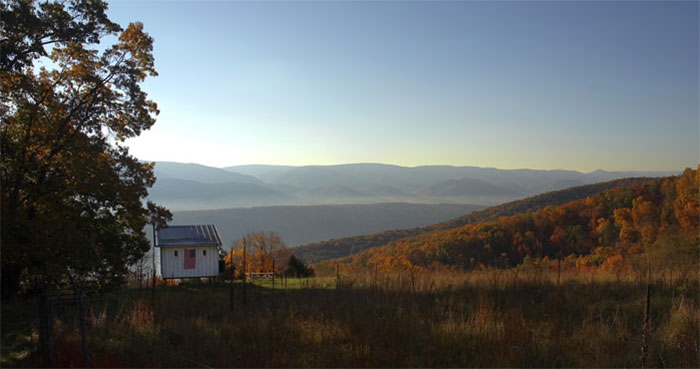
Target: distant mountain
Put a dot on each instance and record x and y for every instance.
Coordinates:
(200, 173)
(416, 179)
(180, 194)
(304, 224)
(317, 176)
(467, 187)
(266, 173)
(385, 191)
(182, 187)
(347, 246)
(335, 194)
(356, 184)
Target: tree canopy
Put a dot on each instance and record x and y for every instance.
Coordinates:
(612, 229)
(259, 252)
(72, 195)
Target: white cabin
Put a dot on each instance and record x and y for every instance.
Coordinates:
(189, 251)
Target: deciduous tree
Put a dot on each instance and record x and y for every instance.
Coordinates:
(71, 192)
(264, 252)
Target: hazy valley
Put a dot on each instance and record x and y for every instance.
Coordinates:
(318, 203)
(300, 225)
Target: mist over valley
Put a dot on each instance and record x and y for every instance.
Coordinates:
(317, 203)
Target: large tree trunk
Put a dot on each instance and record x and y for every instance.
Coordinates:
(10, 281)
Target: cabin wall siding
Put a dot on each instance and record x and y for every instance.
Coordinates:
(174, 266)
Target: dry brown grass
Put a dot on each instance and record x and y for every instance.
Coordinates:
(484, 319)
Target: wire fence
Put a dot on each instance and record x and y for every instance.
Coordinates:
(83, 308)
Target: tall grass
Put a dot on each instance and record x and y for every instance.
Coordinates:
(484, 319)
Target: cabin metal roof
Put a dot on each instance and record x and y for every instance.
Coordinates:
(188, 235)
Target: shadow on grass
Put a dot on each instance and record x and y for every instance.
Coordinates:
(580, 324)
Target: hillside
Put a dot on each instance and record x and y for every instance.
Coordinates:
(200, 173)
(347, 246)
(605, 229)
(465, 187)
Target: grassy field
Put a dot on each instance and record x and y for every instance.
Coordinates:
(487, 319)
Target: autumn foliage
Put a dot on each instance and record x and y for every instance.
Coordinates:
(72, 196)
(607, 231)
(258, 252)
(337, 248)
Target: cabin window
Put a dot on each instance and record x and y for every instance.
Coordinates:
(204, 252)
(175, 253)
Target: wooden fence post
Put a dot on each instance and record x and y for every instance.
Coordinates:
(140, 269)
(646, 327)
(233, 278)
(153, 287)
(83, 327)
(245, 271)
(45, 323)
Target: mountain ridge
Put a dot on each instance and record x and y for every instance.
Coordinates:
(370, 182)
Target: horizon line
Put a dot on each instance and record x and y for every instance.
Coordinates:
(421, 166)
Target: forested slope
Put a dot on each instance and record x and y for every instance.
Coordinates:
(608, 229)
(336, 248)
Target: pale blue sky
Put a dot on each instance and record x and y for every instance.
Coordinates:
(546, 85)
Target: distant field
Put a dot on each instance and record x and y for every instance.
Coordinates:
(479, 319)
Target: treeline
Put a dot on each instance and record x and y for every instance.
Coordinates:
(608, 229)
(337, 248)
(262, 252)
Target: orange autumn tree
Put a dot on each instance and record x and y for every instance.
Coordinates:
(686, 203)
(259, 252)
